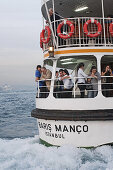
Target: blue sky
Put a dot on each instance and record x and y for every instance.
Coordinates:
(20, 27)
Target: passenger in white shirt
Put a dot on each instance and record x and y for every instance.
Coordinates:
(68, 84)
(81, 79)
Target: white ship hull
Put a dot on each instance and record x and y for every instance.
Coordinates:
(76, 133)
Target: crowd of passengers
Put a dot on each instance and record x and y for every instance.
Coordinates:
(64, 82)
(84, 82)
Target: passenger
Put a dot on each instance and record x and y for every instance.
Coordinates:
(46, 75)
(40, 83)
(95, 76)
(57, 21)
(68, 84)
(56, 75)
(57, 17)
(81, 79)
(108, 21)
(56, 85)
(89, 87)
(60, 84)
(106, 86)
(38, 73)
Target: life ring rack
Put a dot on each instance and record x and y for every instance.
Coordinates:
(111, 29)
(70, 24)
(42, 36)
(86, 28)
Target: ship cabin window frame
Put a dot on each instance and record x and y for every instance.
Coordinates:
(79, 59)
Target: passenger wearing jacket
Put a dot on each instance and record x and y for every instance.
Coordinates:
(68, 84)
(95, 77)
(81, 79)
(46, 74)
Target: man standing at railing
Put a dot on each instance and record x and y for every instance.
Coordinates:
(38, 73)
(45, 76)
(52, 17)
(57, 16)
(40, 84)
(81, 79)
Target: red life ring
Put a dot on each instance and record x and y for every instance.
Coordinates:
(41, 43)
(70, 24)
(43, 39)
(86, 28)
(111, 29)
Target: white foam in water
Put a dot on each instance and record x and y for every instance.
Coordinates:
(28, 154)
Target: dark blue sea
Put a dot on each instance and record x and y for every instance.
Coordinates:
(20, 148)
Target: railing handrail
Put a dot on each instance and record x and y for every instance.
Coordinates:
(74, 78)
(82, 18)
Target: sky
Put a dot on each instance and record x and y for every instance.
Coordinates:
(20, 27)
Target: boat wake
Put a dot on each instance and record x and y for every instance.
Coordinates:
(29, 154)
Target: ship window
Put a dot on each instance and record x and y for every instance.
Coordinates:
(48, 64)
(69, 85)
(107, 75)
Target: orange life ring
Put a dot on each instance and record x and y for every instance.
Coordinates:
(111, 29)
(41, 43)
(86, 28)
(43, 39)
(61, 35)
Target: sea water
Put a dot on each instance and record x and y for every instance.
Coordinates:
(20, 148)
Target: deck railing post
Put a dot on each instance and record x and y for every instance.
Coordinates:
(38, 89)
(53, 77)
(103, 21)
(99, 70)
(79, 31)
(74, 87)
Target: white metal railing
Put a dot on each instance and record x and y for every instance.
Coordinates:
(103, 87)
(79, 38)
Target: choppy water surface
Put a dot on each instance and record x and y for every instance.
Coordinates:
(20, 148)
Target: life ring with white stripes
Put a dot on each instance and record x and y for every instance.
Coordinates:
(86, 28)
(111, 29)
(43, 39)
(68, 35)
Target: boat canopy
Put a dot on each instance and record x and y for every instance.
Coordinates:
(79, 8)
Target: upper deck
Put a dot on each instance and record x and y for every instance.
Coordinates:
(79, 12)
(67, 8)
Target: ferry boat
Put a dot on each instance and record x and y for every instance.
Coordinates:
(76, 32)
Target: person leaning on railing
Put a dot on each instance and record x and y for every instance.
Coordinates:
(53, 16)
(38, 73)
(40, 84)
(106, 81)
(56, 85)
(60, 84)
(95, 76)
(68, 84)
(81, 79)
(37, 76)
(46, 75)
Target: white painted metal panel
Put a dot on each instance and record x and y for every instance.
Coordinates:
(84, 133)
